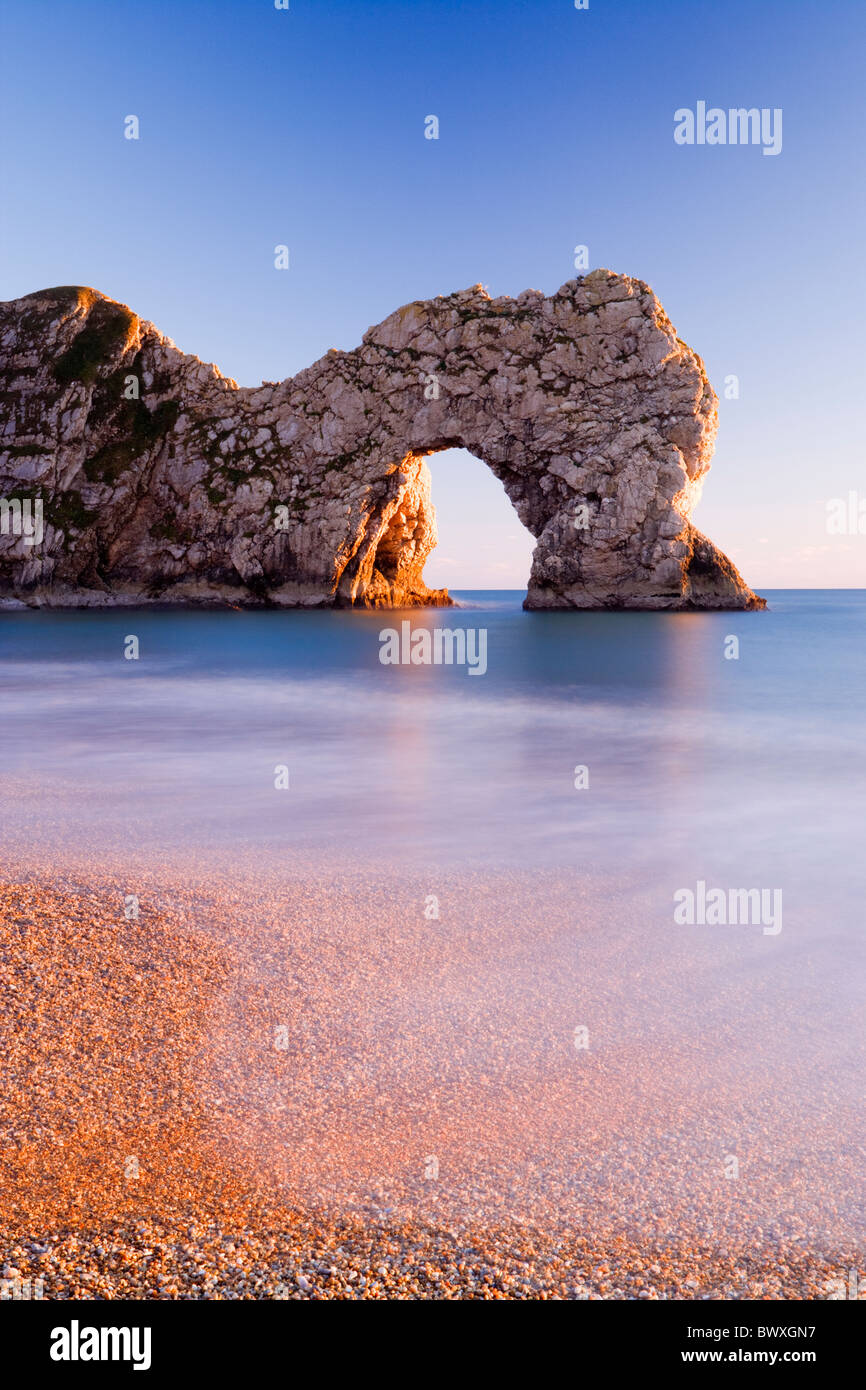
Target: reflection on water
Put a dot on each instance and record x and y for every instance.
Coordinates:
(755, 764)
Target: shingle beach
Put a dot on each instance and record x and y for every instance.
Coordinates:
(336, 1097)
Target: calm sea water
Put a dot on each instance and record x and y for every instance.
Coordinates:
(743, 773)
(753, 767)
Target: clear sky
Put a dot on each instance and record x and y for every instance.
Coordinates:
(261, 126)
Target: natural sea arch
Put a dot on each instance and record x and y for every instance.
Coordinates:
(596, 418)
(395, 570)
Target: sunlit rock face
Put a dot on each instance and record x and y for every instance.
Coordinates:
(597, 419)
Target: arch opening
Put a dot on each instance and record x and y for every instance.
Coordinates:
(405, 562)
(482, 543)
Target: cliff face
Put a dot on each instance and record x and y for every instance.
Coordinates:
(160, 481)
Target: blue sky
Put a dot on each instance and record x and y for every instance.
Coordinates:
(306, 127)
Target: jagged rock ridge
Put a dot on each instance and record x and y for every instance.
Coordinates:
(598, 420)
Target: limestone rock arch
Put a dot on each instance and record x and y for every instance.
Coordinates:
(596, 417)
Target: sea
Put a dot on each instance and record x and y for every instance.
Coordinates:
(731, 744)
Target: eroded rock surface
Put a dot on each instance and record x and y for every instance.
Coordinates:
(598, 420)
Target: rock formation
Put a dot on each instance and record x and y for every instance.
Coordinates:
(160, 481)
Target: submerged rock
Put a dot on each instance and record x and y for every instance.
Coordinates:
(158, 480)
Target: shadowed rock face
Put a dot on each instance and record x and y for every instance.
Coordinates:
(597, 419)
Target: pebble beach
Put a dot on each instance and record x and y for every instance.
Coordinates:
(317, 1093)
